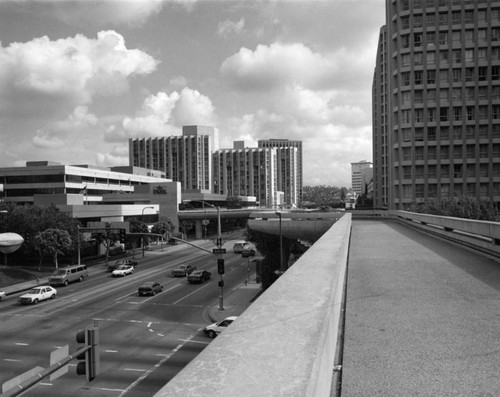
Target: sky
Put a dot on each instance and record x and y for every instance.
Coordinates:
(79, 78)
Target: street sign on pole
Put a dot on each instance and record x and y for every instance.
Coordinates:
(219, 250)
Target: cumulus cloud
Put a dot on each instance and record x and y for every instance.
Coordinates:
(230, 28)
(68, 72)
(162, 114)
(275, 65)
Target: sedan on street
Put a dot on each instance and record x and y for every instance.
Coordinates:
(37, 294)
(215, 329)
(119, 262)
(122, 271)
(150, 288)
(199, 276)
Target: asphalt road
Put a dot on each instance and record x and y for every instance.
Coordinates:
(144, 341)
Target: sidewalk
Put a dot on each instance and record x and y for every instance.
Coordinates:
(235, 301)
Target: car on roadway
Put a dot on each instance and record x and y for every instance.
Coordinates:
(122, 271)
(2, 295)
(199, 276)
(248, 250)
(119, 262)
(183, 270)
(215, 329)
(37, 294)
(150, 288)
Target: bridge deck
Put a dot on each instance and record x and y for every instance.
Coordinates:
(422, 316)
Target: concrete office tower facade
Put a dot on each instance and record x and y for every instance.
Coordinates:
(186, 158)
(246, 172)
(436, 102)
(361, 175)
(284, 167)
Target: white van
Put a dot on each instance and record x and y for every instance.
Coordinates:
(238, 246)
(68, 275)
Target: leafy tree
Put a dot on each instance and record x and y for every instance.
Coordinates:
(186, 227)
(233, 202)
(136, 226)
(163, 226)
(53, 242)
(323, 196)
(459, 207)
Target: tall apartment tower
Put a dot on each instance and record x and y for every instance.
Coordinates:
(436, 102)
(186, 158)
(286, 167)
(246, 172)
(361, 175)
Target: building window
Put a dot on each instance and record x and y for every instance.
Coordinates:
(469, 92)
(417, 39)
(418, 76)
(469, 55)
(469, 74)
(443, 94)
(457, 56)
(495, 72)
(443, 38)
(431, 58)
(443, 76)
(431, 95)
(431, 114)
(457, 75)
(457, 113)
(431, 134)
(496, 112)
(469, 16)
(470, 113)
(431, 77)
(443, 56)
(405, 78)
(419, 115)
(456, 94)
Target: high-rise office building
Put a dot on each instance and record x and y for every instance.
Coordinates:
(436, 102)
(185, 158)
(287, 165)
(247, 172)
(361, 176)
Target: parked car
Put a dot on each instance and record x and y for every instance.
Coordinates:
(248, 250)
(150, 288)
(215, 329)
(183, 270)
(122, 271)
(37, 294)
(199, 276)
(119, 262)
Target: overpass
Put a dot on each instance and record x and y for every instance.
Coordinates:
(377, 306)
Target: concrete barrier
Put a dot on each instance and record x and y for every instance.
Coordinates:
(286, 342)
(480, 235)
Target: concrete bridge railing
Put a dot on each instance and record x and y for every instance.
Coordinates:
(287, 342)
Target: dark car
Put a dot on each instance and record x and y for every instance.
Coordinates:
(119, 262)
(199, 276)
(150, 288)
(248, 250)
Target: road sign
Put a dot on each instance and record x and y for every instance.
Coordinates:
(219, 250)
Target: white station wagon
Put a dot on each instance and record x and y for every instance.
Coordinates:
(38, 294)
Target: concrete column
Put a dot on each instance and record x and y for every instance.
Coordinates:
(198, 229)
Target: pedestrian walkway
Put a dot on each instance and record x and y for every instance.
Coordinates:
(422, 316)
(236, 301)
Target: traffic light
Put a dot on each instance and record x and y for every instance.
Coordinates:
(123, 235)
(89, 360)
(220, 266)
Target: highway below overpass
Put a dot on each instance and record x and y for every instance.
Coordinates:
(422, 316)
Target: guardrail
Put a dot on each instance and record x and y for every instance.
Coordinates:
(480, 235)
(288, 342)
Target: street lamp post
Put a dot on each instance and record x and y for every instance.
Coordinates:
(142, 216)
(282, 269)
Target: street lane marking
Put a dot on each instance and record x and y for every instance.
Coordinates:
(135, 369)
(11, 359)
(111, 351)
(194, 341)
(21, 344)
(194, 292)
